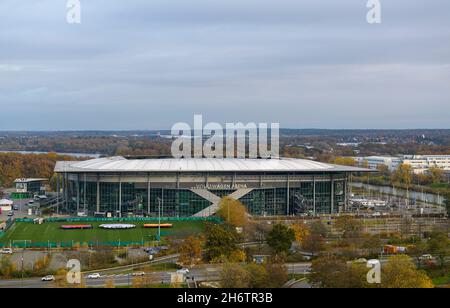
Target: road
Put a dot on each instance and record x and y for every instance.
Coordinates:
(201, 273)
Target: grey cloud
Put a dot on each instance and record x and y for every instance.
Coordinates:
(146, 64)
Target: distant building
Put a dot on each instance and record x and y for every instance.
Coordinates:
(373, 162)
(419, 163)
(33, 186)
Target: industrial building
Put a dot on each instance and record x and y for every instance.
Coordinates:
(120, 186)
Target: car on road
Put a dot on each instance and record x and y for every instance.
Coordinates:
(11, 214)
(6, 251)
(138, 274)
(48, 278)
(93, 276)
(15, 208)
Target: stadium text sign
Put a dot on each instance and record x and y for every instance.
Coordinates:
(240, 140)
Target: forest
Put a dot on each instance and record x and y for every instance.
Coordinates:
(14, 166)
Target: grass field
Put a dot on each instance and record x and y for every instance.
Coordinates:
(51, 231)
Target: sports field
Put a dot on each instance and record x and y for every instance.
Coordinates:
(51, 231)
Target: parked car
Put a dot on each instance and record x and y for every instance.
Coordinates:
(10, 214)
(15, 208)
(48, 278)
(93, 276)
(6, 251)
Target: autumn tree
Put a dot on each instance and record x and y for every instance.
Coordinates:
(7, 268)
(258, 275)
(403, 175)
(61, 278)
(349, 226)
(233, 212)
(301, 231)
(313, 243)
(233, 275)
(318, 228)
(400, 272)
(334, 272)
(277, 274)
(190, 251)
(436, 175)
(280, 238)
(345, 161)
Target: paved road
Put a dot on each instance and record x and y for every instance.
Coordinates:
(201, 273)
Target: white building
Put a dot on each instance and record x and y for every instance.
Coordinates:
(374, 161)
(419, 163)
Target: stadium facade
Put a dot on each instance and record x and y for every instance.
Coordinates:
(121, 187)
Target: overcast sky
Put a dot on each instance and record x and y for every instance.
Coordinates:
(148, 64)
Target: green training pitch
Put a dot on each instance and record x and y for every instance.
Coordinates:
(26, 231)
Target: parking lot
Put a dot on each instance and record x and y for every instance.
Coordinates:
(20, 213)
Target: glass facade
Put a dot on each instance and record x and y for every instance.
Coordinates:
(121, 199)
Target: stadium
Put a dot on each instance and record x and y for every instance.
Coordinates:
(193, 187)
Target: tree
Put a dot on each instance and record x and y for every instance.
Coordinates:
(403, 175)
(400, 272)
(318, 228)
(280, 238)
(220, 242)
(233, 212)
(345, 161)
(233, 275)
(61, 278)
(439, 246)
(301, 231)
(334, 272)
(7, 268)
(436, 175)
(258, 275)
(349, 226)
(373, 244)
(277, 274)
(313, 243)
(190, 251)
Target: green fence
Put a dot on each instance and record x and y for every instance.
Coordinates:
(54, 245)
(128, 219)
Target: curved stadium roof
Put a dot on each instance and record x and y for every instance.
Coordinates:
(121, 164)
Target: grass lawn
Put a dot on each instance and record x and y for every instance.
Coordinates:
(51, 232)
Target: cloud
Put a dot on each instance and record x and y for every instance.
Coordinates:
(146, 64)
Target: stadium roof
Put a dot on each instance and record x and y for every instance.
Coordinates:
(121, 164)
